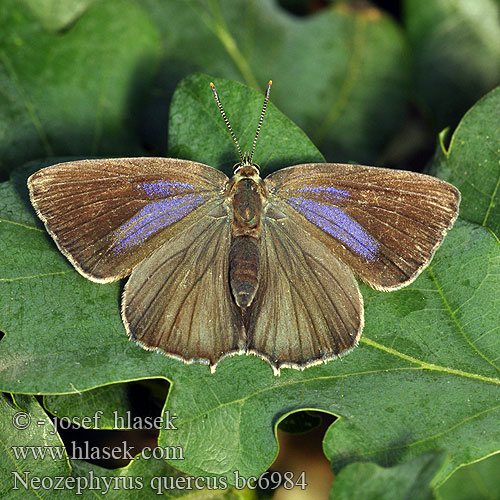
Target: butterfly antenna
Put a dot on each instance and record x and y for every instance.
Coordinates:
(261, 119)
(226, 121)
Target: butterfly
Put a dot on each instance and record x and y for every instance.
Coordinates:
(222, 266)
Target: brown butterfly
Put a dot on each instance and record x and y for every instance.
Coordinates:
(221, 266)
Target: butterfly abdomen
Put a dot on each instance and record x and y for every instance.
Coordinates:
(244, 256)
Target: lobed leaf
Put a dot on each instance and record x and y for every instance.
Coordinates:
(472, 162)
(456, 52)
(74, 93)
(342, 74)
(424, 377)
(409, 481)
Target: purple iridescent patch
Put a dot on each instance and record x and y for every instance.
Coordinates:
(155, 216)
(334, 220)
(164, 189)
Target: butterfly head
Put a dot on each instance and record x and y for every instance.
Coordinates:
(246, 159)
(246, 167)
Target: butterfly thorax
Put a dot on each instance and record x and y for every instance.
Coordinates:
(247, 196)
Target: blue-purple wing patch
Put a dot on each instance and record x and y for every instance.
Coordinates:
(321, 206)
(169, 202)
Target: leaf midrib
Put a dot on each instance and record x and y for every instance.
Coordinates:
(215, 22)
(347, 86)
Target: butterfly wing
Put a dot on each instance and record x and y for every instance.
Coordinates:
(308, 307)
(106, 216)
(385, 224)
(178, 299)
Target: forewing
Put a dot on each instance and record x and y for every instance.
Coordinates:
(178, 300)
(385, 224)
(106, 216)
(308, 307)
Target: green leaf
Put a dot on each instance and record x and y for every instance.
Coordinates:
(112, 406)
(479, 481)
(24, 424)
(74, 93)
(472, 162)
(280, 144)
(430, 371)
(456, 51)
(146, 479)
(409, 481)
(401, 392)
(424, 376)
(26, 429)
(336, 74)
(57, 14)
(97, 405)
